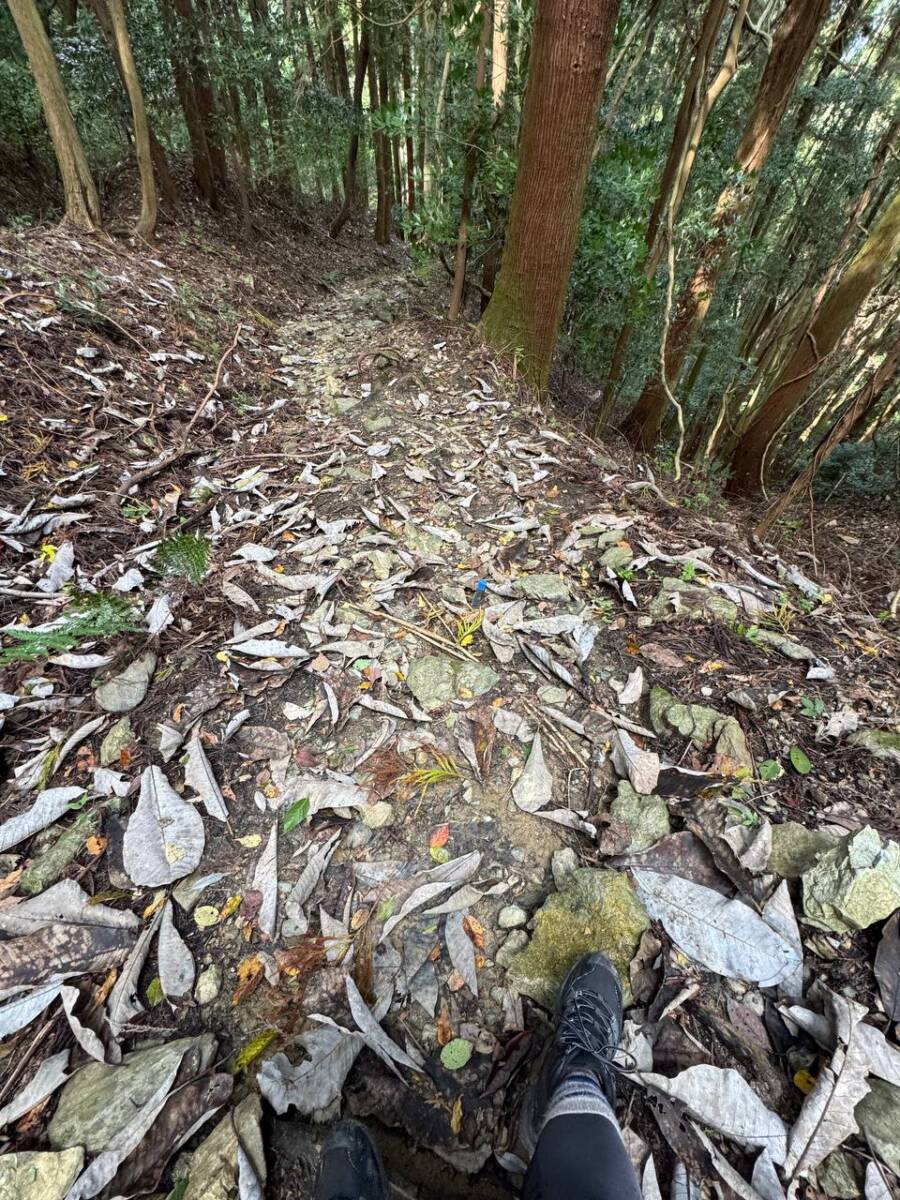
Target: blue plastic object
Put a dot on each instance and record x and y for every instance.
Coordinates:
(480, 590)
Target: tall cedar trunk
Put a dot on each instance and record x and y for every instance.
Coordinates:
(81, 203)
(204, 95)
(791, 44)
(408, 102)
(499, 52)
(384, 99)
(362, 63)
(146, 222)
(650, 27)
(204, 176)
(259, 17)
(861, 404)
(569, 49)
(864, 272)
(470, 163)
(689, 124)
(382, 207)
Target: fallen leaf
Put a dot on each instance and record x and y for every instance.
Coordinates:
(314, 1086)
(249, 1053)
(641, 767)
(461, 950)
(164, 838)
(887, 967)
(50, 1075)
(49, 806)
(265, 881)
(198, 776)
(534, 787)
(176, 963)
(250, 972)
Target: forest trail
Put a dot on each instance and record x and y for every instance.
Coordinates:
(412, 676)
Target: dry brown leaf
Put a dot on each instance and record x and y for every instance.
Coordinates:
(444, 1028)
(250, 973)
(475, 930)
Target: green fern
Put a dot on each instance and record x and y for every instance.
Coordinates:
(90, 615)
(185, 554)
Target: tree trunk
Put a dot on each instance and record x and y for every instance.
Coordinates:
(82, 205)
(382, 209)
(408, 102)
(862, 403)
(204, 93)
(791, 44)
(362, 63)
(569, 49)
(259, 17)
(697, 103)
(146, 222)
(470, 164)
(499, 52)
(864, 272)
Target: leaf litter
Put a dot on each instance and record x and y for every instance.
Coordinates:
(295, 608)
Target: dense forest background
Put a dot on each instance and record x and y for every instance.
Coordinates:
(732, 301)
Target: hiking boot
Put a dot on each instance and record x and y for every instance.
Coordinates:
(586, 1037)
(350, 1166)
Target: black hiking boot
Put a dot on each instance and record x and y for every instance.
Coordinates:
(585, 1040)
(350, 1166)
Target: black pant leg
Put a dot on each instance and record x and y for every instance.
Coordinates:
(580, 1157)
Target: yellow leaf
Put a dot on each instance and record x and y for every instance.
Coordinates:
(48, 552)
(231, 905)
(804, 1081)
(456, 1115)
(156, 903)
(250, 840)
(206, 916)
(253, 1049)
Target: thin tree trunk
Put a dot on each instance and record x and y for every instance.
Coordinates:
(470, 164)
(567, 68)
(791, 44)
(82, 205)
(204, 98)
(861, 276)
(408, 102)
(863, 402)
(382, 210)
(650, 28)
(499, 52)
(362, 63)
(697, 103)
(146, 222)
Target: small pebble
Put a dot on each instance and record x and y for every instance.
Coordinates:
(209, 984)
(562, 865)
(514, 944)
(377, 815)
(512, 917)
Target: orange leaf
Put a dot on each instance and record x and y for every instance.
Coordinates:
(250, 974)
(440, 837)
(475, 930)
(95, 845)
(444, 1028)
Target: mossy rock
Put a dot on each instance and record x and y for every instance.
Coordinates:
(855, 884)
(706, 727)
(645, 818)
(796, 848)
(880, 743)
(596, 910)
(679, 601)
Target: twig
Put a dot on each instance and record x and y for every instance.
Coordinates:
(214, 386)
(426, 635)
(667, 320)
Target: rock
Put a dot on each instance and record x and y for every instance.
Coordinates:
(785, 645)
(855, 884)
(646, 818)
(39, 1176)
(880, 743)
(512, 917)
(542, 587)
(358, 836)
(126, 690)
(841, 1175)
(213, 1170)
(119, 738)
(597, 910)
(677, 600)
(878, 1117)
(617, 557)
(209, 984)
(796, 848)
(382, 562)
(553, 695)
(435, 680)
(562, 864)
(420, 541)
(706, 727)
(98, 1101)
(511, 948)
(377, 815)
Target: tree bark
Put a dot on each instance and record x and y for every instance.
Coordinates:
(362, 63)
(567, 68)
(203, 91)
(81, 203)
(470, 165)
(146, 222)
(860, 277)
(382, 208)
(499, 52)
(791, 45)
(408, 101)
(861, 404)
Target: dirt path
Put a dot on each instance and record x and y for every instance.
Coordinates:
(442, 663)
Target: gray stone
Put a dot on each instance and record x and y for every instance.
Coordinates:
(646, 818)
(617, 557)
(878, 1117)
(855, 884)
(358, 836)
(34, 1175)
(706, 727)
(553, 695)
(880, 743)
(562, 864)
(213, 1171)
(119, 738)
(98, 1101)
(784, 645)
(209, 984)
(542, 587)
(511, 948)
(512, 917)
(597, 910)
(377, 815)
(677, 600)
(796, 848)
(382, 563)
(841, 1175)
(435, 680)
(420, 541)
